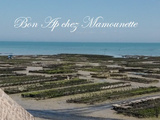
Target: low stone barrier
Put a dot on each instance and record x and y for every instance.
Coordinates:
(10, 110)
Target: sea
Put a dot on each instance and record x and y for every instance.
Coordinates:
(98, 48)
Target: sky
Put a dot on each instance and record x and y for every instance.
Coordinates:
(146, 13)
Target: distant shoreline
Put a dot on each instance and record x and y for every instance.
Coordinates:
(123, 56)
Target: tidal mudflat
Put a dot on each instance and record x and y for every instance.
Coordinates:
(84, 87)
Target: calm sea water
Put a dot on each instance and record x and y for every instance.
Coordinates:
(51, 48)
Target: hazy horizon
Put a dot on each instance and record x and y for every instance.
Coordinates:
(79, 41)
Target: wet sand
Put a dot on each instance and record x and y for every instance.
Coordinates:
(58, 109)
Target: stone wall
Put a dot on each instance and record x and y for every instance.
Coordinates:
(10, 110)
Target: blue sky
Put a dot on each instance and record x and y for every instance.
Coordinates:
(146, 13)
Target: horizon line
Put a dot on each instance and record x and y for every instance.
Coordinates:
(82, 41)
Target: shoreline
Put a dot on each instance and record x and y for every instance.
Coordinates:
(114, 56)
